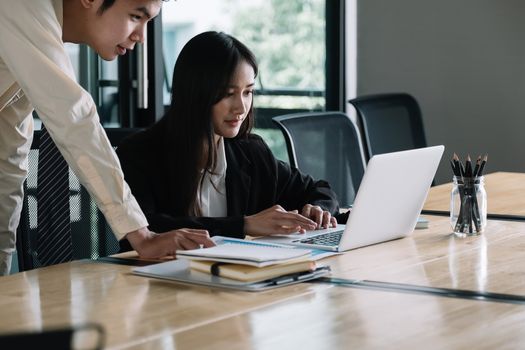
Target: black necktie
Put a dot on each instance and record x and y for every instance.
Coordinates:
(54, 223)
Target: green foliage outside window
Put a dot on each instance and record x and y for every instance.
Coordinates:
(288, 39)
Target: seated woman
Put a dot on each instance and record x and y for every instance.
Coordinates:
(200, 167)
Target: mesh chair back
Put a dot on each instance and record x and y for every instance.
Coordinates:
(326, 146)
(389, 122)
(91, 235)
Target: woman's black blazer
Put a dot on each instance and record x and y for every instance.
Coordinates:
(255, 180)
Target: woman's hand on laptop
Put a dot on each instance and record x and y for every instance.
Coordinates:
(277, 221)
(322, 218)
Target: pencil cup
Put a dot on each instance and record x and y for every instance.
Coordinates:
(468, 206)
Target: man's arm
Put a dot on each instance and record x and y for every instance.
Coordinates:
(31, 47)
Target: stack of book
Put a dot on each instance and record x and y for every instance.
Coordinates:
(241, 265)
(249, 261)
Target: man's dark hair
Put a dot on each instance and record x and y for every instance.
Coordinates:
(107, 4)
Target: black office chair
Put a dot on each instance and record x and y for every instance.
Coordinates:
(326, 146)
(90, 234)
(65, 337)
(389, 123)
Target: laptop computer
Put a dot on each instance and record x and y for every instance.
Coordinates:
(387, 205)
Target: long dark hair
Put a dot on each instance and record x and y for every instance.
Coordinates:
(202, 73)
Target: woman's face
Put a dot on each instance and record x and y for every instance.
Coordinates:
(229, 113)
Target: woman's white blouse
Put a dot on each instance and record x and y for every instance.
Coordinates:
(212, 195)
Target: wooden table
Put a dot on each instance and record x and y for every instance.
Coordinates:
(143, 313)
(341, 318)
(434, 257)
(505, 195)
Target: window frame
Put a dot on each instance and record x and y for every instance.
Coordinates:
(129, 115)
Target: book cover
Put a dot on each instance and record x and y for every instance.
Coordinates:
(248, 273)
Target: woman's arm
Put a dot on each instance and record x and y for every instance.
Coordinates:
(297, 191)
(232, 226)
(294, 189)
(145, 174)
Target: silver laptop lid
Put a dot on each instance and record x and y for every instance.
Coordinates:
(391, 196)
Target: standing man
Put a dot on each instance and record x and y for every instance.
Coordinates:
(36, 73)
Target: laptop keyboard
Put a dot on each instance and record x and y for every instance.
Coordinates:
(327, 239)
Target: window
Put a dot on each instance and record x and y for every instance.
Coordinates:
(100, 79)
(287, 37)
(108, 93)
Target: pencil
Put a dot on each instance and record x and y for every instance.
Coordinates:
(476, 168)
(483, 162)
(459, 166)
(453, 167)
(468, 167)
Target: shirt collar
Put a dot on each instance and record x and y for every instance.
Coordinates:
(220, 167)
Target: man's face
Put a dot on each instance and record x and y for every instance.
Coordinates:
(120, 27)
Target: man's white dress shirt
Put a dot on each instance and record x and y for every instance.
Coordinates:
(36, 72)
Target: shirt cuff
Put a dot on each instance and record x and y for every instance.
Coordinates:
(124, 218)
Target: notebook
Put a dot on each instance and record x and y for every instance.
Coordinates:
(253, 254)
(387, 205)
